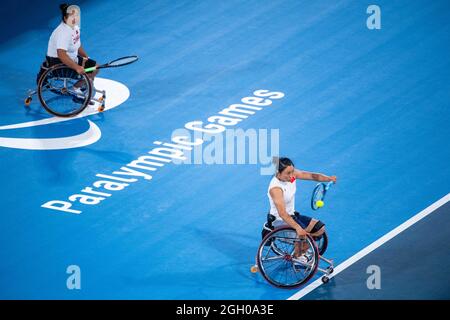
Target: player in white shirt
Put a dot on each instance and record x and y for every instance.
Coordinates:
(64, 45)
(281, 194)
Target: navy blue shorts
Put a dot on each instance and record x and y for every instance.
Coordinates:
(302, 220)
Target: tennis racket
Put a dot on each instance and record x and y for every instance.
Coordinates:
(318, 194)
(115, 63)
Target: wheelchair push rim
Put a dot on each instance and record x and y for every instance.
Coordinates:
(277, 262)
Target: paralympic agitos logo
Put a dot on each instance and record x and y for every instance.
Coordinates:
(116, 94)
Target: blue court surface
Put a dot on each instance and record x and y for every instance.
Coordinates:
(406, 263)
(369, 106)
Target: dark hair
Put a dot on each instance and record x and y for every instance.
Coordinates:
(282, 163)
(63, 7)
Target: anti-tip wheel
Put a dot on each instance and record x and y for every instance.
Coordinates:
(254, 269)
(27, 101)
(330, 270)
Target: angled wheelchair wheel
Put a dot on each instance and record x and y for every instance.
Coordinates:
(322, 243)
(63, 92)
(285, 260)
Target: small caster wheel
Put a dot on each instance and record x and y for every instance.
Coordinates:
(101, 108)
(254, 269)
(330, 270)
(325, 279)
(28, 101)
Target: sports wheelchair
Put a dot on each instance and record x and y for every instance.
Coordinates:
(65, 93)
(287, 261)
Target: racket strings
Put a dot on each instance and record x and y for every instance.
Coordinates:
(123, 61)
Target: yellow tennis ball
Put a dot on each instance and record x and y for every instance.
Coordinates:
(319, 203)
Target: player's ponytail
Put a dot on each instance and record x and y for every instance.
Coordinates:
(63, 7)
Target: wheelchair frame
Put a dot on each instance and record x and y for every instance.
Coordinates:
(285, 236)
(61, 69)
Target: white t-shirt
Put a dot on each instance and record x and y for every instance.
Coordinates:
(66, 38)
(289, 189)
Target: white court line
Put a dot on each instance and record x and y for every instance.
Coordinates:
(388, 236)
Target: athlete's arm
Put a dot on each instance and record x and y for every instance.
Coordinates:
(305, 175)
(62, 55)
(82, 53)
(277, 197)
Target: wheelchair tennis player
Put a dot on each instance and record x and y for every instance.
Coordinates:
(281, 194)
(65, 47)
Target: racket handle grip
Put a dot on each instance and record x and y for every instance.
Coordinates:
(90, 69)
